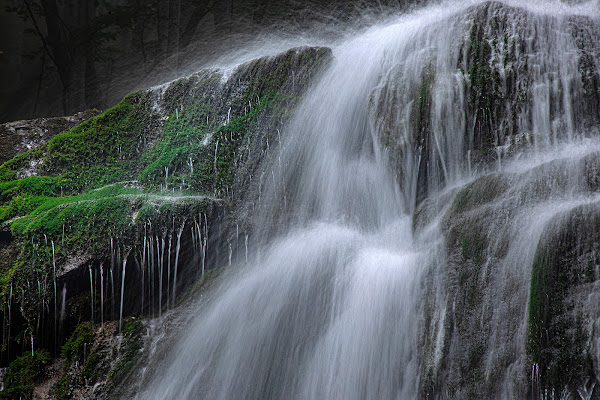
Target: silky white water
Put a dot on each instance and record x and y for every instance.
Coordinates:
(330, 302)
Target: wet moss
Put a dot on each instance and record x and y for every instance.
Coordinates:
(62, 388)
(493, 64)
(9, 170)
(473, 238)
(180, 159)
(107, 178)
(584, 33)
(483, 190)
(287, 73)
(22, 375)
(422, 111)
(104, 149)
(130, 351)
(200, 145)
(564, 261)
(81, 339)
(170, 162)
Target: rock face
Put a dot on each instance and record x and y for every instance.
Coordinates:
(508, 83)
(498, 55)
(516, 238)
(20, 136)
(563, 304)
(122, 213)
(512, 244)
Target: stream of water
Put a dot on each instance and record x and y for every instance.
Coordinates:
(330, 303)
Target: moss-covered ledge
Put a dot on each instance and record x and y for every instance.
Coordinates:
(119, 215)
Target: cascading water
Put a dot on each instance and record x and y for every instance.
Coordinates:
(353, 289)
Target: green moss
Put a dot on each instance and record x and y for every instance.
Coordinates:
(491, 87)
(473, 245)
(467, 220)
(181, 160)
(422, 110)
(483, 190)
(101, 150)
(89, 370)
(565, 259)
(81, 339)
(170, 161)
(130, 350)
(22, 375)
(483, 96)
(8, 170)
(201, 284)
(60, 205)
(229, 138)
(76, 224)
(278, 75)
(62, 388)
(82, 217)
(537, 309)
(82, 224)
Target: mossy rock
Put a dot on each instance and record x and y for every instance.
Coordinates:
(19, 136)
(102, 150)
(129, 351)
(565, 262)
(158, 161)
(585, 33)
(483, 190)
(210, 121)
(475, 238)
(82, 337)
(22, 375)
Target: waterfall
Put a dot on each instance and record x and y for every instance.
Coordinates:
(178, 246)
(394, 245)
(169, 264)
(63, 305)
(152, 270)
(91, 293)
(123, 290)
(161, 255)
(143, 269)
(112, 279)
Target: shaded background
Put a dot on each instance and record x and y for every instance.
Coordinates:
(58, 57)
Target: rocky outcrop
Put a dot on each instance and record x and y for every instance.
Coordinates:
(512, 243)
(506, 93)
(20, 136)
(123, 213)
(563, 304)
(509, 83)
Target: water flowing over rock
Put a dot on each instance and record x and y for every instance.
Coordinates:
(131, 208)
(410, 213)
(477, 118)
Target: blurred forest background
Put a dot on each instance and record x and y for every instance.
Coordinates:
(58, 57)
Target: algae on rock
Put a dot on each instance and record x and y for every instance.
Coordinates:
(137, 198)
